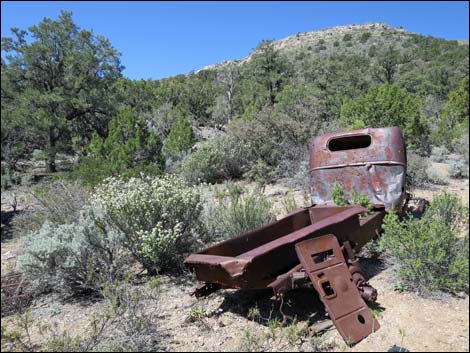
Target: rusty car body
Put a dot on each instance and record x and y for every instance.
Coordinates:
(315, 246)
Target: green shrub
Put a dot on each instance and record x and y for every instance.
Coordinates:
(341, 199)
(180, 139)
(364, 37)
(337, 194)
(74, 258)
(158, 217)
(130, 148)
(273, 142)
(9, 177)
(436, 178)
(236, 212)
(215, 160)
(417, 167)
(347, 37)
(431, 253)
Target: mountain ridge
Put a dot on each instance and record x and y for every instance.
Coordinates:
(300, 39)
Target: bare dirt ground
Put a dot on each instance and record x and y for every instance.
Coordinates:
(236, 320)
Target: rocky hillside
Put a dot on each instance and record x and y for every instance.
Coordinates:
(355, 39)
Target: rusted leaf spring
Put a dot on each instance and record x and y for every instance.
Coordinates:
(255, 259)
(16, 295)
(369, 161)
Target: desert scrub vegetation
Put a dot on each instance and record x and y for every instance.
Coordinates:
(236, 211)
(215, 160)
(58, 201)
(431, 253)
(74, 258)
(153, 220)
(158, 217)
(126, 322)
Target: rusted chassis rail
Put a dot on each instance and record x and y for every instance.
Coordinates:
(266, 257)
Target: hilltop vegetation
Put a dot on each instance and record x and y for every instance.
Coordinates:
(63, 92)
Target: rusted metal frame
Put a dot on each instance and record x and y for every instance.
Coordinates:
(258, 267)
(323, 260)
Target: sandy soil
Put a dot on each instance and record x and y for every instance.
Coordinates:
(237, 320)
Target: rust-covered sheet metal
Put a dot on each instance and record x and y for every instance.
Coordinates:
(255, 259)
(369, 161)
(323, 261)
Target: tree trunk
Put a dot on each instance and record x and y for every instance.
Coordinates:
(51, 152)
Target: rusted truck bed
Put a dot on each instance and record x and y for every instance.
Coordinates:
(255, 259)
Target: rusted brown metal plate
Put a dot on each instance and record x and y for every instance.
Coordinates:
(369, 161)
(268, 255)
(324, 262)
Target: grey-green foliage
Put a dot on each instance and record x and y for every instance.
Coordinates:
(159, 217)
(236, 212)
(431, 253)
(58, 202)
(436, 178)
(458, 168)
(439, 154)
(215, 160)
(417, 167)
(74, 258)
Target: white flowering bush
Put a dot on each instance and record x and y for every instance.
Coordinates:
(159, 217)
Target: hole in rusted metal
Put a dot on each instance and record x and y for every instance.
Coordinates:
(349, 142)
(323, 256)
(361, 319)
(327, 288)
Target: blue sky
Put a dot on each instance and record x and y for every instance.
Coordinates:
(161, 39)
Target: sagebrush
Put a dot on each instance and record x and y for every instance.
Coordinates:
(431, 253)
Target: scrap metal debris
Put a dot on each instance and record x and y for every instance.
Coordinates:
(315, 246)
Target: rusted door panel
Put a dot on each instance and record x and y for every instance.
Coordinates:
(382, 184)
(324, 262)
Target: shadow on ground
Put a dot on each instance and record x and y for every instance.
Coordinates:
(372, 266)
(6, 229)
(301, 304)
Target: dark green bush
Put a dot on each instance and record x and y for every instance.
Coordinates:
(364, 37)
(431, 253)
(180, 139)
(130, 148)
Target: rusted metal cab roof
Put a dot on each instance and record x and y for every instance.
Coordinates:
(370, 161)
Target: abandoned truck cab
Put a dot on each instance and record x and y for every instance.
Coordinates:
(369, 161)
(315, 246)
